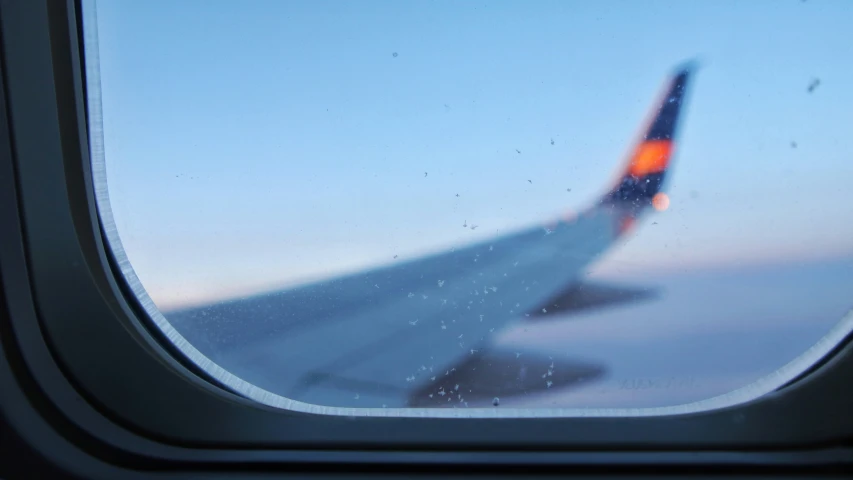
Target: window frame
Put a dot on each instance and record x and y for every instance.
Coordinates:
(68, 310)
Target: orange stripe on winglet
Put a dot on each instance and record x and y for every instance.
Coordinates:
(650, 157)
(626, 224)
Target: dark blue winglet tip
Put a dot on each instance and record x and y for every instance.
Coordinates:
(688, 66)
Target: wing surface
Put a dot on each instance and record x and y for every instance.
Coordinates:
(385, 333)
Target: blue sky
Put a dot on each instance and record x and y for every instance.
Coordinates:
(255, 144)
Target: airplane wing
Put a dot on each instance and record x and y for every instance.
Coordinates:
(382, 336)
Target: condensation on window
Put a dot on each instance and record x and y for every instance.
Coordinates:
(481, 209)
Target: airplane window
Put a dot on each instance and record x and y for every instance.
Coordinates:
(501, 207)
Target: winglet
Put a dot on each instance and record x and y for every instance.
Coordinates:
(643, 176)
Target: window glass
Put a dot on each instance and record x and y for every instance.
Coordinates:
(494, 205)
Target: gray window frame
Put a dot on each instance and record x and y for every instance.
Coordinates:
(82, 340)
